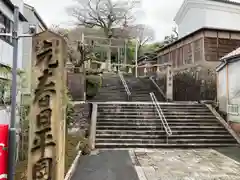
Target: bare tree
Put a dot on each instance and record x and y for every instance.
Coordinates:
(173, 37)
(143, 34)
(105, 14)
(77, 51)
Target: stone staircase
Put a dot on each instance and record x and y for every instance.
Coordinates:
(137, 125)
(140, 89)
(113, 90)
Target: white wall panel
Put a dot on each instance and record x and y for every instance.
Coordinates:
(222, 89)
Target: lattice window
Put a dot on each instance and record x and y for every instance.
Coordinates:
(233, 109)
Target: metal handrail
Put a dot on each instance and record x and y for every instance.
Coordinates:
(161, 115)
(125, 85)
(158, 88)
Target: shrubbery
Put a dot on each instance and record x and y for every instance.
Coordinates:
(93, 84)
(190, 85)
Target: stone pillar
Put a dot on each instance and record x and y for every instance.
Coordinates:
(158, 73)
(169, 81)
(47, 124)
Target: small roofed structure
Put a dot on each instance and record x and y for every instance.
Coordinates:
(228, 88)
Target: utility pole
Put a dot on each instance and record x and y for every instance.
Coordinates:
(12, 130)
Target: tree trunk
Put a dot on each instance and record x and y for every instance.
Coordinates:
(109, 53)
(139, 50)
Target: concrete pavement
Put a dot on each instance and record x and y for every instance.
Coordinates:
(160, 164)
(106, 165)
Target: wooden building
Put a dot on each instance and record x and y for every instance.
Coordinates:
(204, 46)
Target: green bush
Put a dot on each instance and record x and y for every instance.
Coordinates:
(93, 83)
(69, 108)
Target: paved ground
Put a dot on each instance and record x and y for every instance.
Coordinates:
(106, 165)
(205, 164)
(202, 164)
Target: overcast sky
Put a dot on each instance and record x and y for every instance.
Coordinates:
(158, 14)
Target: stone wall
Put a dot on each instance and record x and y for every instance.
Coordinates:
(81, 118)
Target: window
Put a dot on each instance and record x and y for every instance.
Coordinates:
(8, 27)
(5, 92)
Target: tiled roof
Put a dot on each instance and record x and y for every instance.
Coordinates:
(234, 53)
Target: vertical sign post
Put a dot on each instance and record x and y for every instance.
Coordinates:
(47, 115)
(169, 81)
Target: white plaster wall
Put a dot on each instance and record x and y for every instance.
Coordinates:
(19, 3)
(224, 17)
(195, 14)
(5, 116)
(222, 89)
(234, 87)
(6, 53)
(189, 25)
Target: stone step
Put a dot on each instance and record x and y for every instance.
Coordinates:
(163, 145)
(163, 140)
(149, 116)
(159, 123)
(148, 106)
(160, 131)
(163, 105)
(140, 99)
(156, 119)
(150, 109)
(157, 136)
(149, 127)
(153, 112)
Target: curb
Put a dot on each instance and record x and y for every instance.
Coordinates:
(73, 167)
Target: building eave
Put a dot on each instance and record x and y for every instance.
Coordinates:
(180, 12)
(11, 6)
(37, 15)
(232, 59)
(195, 32)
